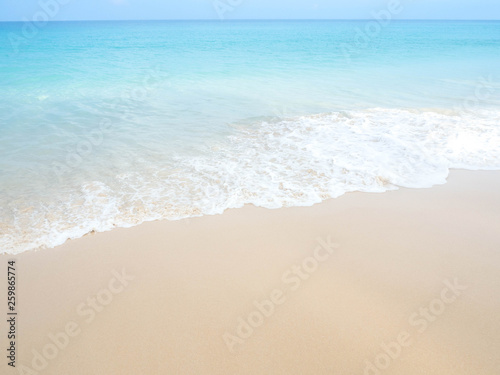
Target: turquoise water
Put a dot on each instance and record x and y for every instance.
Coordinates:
(109, 124)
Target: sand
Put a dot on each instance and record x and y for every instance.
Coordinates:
(404, 282)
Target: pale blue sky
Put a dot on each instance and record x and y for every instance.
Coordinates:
(17, 10)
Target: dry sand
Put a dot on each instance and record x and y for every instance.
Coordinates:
(193, 279)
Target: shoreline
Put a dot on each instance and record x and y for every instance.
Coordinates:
(244, 207)
(240, 166)
(168, 296)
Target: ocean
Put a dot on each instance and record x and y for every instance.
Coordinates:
(111, 124)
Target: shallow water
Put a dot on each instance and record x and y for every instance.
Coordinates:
(107, 124)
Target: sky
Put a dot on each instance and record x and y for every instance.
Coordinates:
(66, 10)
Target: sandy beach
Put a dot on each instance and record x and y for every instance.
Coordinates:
(403, 282)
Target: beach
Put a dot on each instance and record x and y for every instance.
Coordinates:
(401, 282)
(109, 125)
(254, 196)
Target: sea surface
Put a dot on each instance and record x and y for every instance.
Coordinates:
(110, 124)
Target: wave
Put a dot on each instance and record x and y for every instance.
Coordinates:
(289, 162)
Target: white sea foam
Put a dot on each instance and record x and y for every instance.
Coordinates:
(293, 162)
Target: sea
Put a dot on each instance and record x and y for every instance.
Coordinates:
(112, 124)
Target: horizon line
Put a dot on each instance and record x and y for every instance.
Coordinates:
(258, 19)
